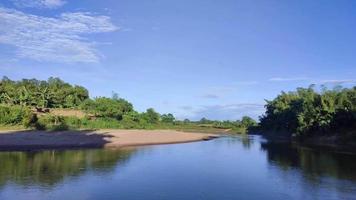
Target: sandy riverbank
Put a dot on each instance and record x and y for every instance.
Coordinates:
(32, 140)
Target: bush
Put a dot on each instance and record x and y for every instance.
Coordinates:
(107, 107)
(29, 119)
(73, 122)
(104, 123)
(17, 115)
(51, 122)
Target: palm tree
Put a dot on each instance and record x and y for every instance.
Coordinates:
(24, 96)
(6, 98)
(44, 97)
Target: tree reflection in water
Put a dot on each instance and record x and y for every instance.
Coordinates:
(247, 141)
(312, 162)
(47, 168)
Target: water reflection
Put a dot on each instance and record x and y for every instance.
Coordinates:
(313, 163)
(47, 168)
(247, 141)
(240, 167)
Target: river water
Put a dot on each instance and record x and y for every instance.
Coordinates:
(222, 169)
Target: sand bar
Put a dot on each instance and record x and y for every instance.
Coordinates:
(34, 140)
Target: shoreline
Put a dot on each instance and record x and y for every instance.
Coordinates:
(28, 140)
(328, 143)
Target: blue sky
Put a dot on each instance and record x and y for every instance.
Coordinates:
(202, 58)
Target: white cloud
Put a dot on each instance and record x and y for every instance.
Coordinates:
(53, 39)
(39, 3)
(288, 79)
(216, 92)
(338, 81)
(210, 96)
(186, 108)
(315, 81)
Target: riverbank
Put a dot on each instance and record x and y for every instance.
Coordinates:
(36, 140)
(339, 142)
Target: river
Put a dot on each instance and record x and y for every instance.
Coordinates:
(226, 168)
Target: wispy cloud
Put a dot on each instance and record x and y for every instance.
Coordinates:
(314, 81)
(338, 81)
(210, 96)
(186, 108)
(215, 92)
(39, 3)
(288, 79)
(228, 112)
(53, 39)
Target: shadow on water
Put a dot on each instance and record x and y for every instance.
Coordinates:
(246, 141)
(39, 140)
(47, 168)
(313, 163)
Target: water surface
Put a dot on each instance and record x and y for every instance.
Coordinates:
(225, 168)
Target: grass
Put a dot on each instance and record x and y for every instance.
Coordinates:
(107, 125)
(198, 128)
(59, 123)
(7, 128)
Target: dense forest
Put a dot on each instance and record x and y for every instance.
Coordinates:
(41, 104)
(308, 113)
(53, 93)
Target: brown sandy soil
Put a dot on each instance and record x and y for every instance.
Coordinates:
(68, 112)
(32, 140)
(60, 112)
(148, 137)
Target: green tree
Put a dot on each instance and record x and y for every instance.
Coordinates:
(248, 121)
(107, 107)
(167, 118)
(151, 116)
(52, 93)
(308, 113)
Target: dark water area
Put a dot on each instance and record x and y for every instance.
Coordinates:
(225, 168)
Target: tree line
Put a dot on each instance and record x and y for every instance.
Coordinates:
(25, 102)
(53, 93)
(307, 113)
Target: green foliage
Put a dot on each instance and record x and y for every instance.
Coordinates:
(29, 119)
(206, 125)
(16, 115)
(167, 118)
(53, 93)
(19, 97)
(248, 121)
(52, 122)
(306, 112)
(151, 116)
(107, 107)
(204, 121)
(64, 123)
(238, 126)
(99, 123)
(133, 120)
